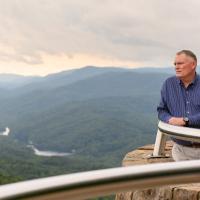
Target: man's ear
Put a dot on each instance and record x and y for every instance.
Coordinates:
(194, 64)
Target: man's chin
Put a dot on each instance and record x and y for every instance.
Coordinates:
(178, 75)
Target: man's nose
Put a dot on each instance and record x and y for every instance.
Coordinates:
(177, 67)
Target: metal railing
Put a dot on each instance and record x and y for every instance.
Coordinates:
(165, 130)
(91, 184)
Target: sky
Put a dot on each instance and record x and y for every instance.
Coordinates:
(39, 37)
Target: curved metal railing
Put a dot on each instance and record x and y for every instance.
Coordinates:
(165, 130)
(90, 184)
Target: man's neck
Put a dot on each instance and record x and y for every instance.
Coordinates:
(186, 81)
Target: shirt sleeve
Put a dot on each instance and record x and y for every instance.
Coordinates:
(194, 120)
(162, 109)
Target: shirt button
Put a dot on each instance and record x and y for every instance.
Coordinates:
(188, 112)
(187, 102)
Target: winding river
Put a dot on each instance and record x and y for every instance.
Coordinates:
(47, 153)
(6, 132)
(37, 151)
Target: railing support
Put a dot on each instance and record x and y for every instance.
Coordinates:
(159, 148)
(179, 132)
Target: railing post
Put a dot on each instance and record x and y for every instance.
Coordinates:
(159, 148)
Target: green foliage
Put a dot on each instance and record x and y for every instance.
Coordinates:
(98, 116)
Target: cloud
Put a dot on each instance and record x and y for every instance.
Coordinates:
(139, 31)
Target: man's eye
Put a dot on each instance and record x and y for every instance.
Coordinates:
(179, 63)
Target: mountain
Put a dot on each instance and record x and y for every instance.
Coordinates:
(71, 76)
(98, 86)
(167, 70)
(86, 115)
(53, 80)
(97, 114)
(111, 84)
(12, 81)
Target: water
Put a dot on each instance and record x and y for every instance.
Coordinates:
(37, 151)
(47, 153)
(6, 132)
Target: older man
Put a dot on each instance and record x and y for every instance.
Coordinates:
(180, 103)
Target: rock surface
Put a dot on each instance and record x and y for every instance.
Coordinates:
(175, 192)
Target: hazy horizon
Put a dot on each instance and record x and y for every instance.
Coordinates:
(44, 37)
(71, 69)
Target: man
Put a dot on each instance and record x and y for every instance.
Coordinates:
(180, 103)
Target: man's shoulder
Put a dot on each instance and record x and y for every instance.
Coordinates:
(171, 79)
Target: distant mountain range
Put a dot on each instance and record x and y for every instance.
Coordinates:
(89, 109)
(99, 114)
(13, 81)
(10, 81)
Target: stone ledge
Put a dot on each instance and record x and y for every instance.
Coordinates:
(175, 192)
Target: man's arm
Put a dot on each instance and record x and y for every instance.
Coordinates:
(163, 112)
(177, 121)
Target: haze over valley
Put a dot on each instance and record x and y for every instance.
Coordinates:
(95, 115)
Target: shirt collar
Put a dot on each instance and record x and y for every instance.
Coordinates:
(196, 78)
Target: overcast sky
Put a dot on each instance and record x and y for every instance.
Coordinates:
(46, 36)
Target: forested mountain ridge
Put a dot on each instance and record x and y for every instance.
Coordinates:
(97, 114)
(62, 103)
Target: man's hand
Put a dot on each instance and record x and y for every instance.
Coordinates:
(177, 121)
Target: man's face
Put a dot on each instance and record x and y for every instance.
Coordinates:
(184, 66)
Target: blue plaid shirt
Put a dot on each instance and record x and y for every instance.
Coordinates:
(178, 101)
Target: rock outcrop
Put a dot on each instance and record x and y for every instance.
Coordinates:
(175, 192)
